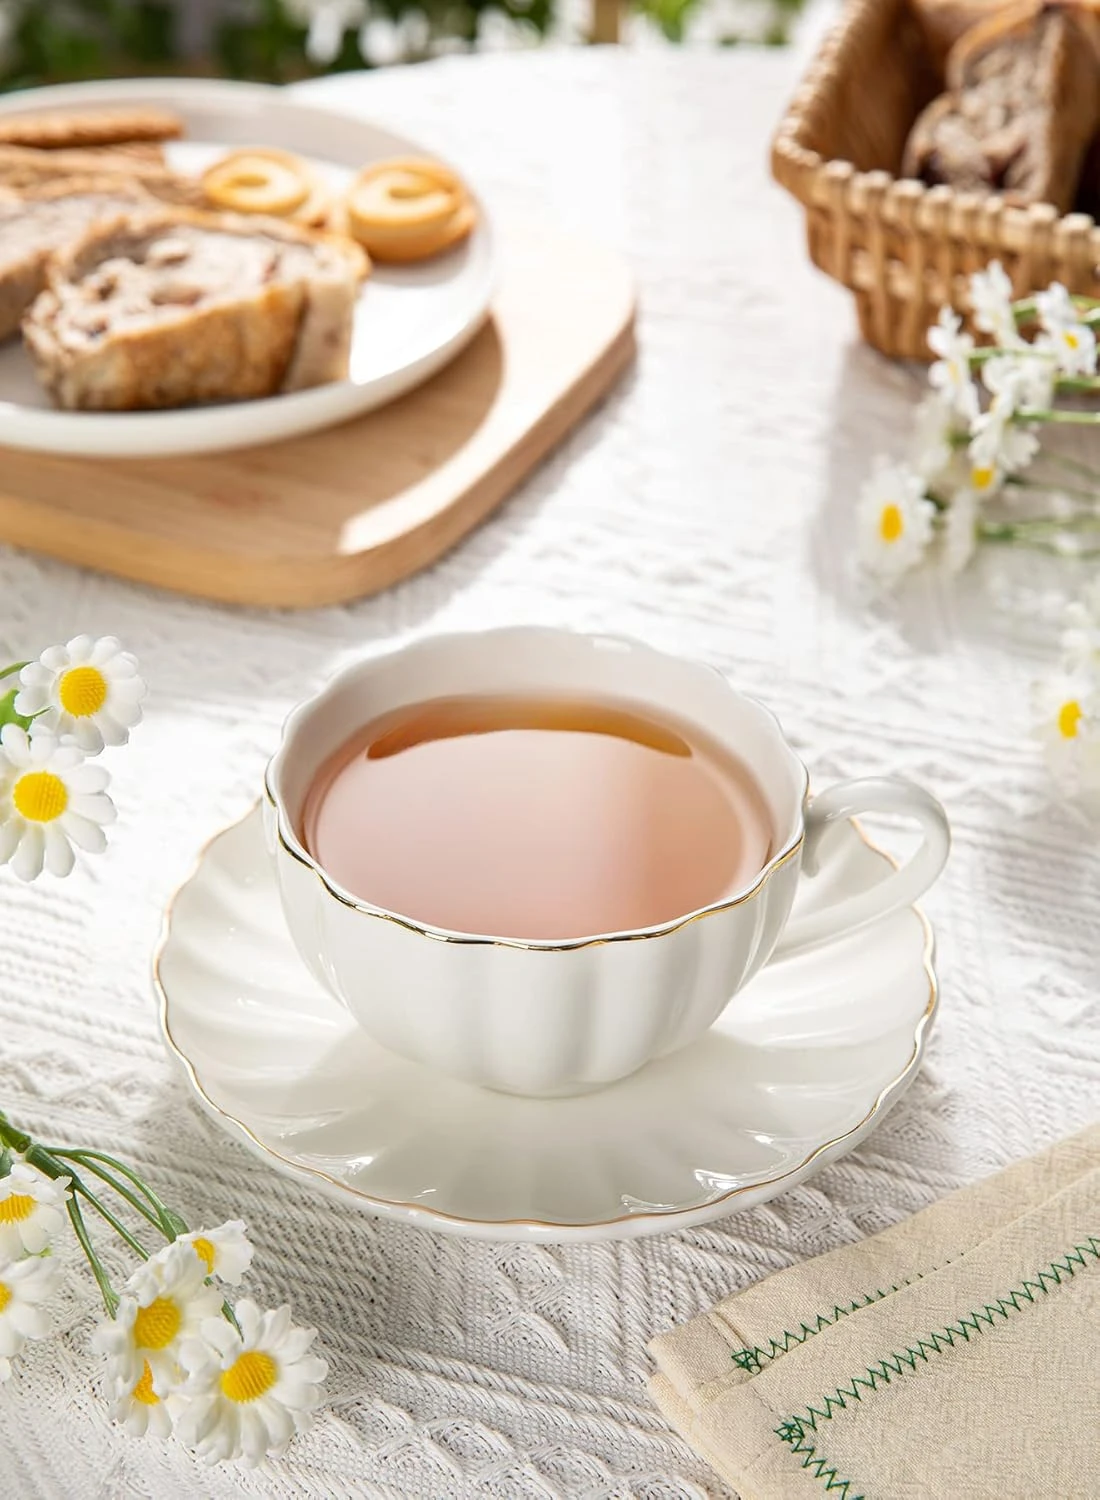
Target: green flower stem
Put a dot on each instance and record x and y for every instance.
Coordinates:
(1074, 418)
(152, 1209)
(117, 1166)
(12, 1137)
(81, 1187)
(16, 666)
(994, 351)
(1052, 523)
(110, 1296)
(1017, 481)
(1077, 382)
(1041, 533)
(1071, 465)
(1028, 308)
(62, 1162)
(1040, 544)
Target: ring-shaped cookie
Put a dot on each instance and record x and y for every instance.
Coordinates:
(408, 209)
(262, 180)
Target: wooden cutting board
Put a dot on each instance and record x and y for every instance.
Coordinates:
(348, 511)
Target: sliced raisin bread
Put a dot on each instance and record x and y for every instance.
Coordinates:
(177, 307)
(37, 221)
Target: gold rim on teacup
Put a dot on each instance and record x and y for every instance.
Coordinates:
(546, 1017)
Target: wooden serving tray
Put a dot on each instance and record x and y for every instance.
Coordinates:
(348, 511)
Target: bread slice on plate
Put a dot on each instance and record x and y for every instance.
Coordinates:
(36, 221)
(176, 307)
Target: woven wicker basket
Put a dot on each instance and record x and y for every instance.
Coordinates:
(904, 249)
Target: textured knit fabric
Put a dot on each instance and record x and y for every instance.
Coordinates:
(707, 508)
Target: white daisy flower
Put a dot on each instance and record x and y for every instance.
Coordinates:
(24, 1286)
(941, 458)
(895, 521)
(959, 530)
(165, 1303)
(50, 799)
(1067, 720)
(32, 1210)
(950, 374)
(89, 689)
(139, 1410)
(225, 1252)
(1081, 637)
(999, 443)
(1025, 381)
(248, 1393)
(934, 428)
(1072, 342)
(991, 300)
(983, 481)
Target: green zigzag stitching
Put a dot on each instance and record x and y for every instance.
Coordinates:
(792, 1432)
(752, 1360)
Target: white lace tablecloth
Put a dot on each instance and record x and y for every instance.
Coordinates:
(707, 508)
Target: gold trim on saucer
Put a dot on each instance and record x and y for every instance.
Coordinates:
(655, 1218)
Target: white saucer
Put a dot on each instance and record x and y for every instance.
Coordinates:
(799, 1068)
(409, 322)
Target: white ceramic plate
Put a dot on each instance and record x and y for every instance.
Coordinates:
(799, 1068)
(410, 321)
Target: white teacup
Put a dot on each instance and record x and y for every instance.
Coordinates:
(551, 1018)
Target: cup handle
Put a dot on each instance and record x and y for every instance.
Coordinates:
(888, 794)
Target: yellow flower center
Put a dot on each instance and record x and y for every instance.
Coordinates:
(890, 523)
(1069, 716)
(15, 1209)
(205, 1252)
(82, 691)
(1072, 339)
(157, 1325)
(5, 1296)
(144, 1391)
(40, 796)
(981, 479)
(249, 1376)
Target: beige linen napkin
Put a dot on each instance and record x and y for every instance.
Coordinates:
(956, 1356)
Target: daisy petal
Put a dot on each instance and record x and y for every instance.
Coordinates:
(89, 778)
(104, 649)
(9, 837)
(42, 748)
(278, 1324)
(87, 735)
(84, 833)
(94, 805)
(250, 1319)
(254, 1434)
(31, 701)
(59, 858)
(27, 860)
(31, 1322)
(16, 744)
(110, 731)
